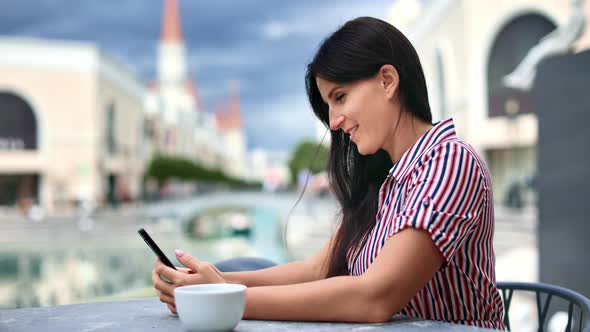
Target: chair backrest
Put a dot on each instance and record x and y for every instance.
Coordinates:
(573, 299)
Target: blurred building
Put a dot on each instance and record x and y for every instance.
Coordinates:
(71, 125)
(467, 47)
(229, 123)
(173, 103)
(181, 124)
(270, 168)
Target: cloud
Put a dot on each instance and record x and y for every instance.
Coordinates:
(265, 45)
(320, 18)
(276, 30)
(281, 122)
(230, 57)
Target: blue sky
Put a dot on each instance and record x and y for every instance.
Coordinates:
(265, 45)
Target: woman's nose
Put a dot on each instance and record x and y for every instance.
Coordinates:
(336, 122)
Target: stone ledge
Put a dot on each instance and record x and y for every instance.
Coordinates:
(152, 315)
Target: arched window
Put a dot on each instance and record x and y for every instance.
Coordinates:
(509, 48)
(18, 125)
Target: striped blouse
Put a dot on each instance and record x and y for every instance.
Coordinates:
(441, 185)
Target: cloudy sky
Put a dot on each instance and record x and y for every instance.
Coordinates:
(264, 44)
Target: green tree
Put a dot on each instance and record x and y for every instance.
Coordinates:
(308, 155)
(163, 168)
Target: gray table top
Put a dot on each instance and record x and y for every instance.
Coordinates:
(152, 315)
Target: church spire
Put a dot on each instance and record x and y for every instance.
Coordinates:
(234, 105)
(228, 113)
(171, 31)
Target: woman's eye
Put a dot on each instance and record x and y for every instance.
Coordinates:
(340, 97)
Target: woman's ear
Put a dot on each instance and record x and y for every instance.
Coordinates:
(389, 78)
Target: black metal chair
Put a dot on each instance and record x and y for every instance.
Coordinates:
(572, 299)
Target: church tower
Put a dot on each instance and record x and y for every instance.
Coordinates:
(173, 78)
(171, 57)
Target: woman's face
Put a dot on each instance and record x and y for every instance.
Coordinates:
(367, 109)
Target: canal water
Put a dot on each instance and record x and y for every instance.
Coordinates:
(59, 273)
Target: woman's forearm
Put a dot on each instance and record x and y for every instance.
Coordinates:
(341, 299)
(284, 274)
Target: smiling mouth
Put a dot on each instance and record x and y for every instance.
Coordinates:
(352, 132)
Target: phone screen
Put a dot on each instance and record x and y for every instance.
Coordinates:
(148, 240)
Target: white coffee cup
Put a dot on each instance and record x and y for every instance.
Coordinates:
(210, 307)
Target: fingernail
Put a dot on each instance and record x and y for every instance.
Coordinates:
(179, 253)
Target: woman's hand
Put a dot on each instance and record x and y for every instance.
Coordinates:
(196, 272)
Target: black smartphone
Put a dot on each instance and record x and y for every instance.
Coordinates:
(148, 240)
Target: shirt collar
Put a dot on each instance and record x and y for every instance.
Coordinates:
(441, 131)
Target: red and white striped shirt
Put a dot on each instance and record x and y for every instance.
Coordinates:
(441, 185)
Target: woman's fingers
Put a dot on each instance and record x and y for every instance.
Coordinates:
(187, 260)
(210, 272)
(161, 285)
(167, 299)
(179, 278)
(185, 270)
(207, 269)
(174, 276)
(196, 273)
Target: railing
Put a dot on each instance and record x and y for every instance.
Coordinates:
(573, 299)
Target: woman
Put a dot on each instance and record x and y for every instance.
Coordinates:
(417, 211)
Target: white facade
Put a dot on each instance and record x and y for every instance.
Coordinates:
(88, 113)
(455, 41)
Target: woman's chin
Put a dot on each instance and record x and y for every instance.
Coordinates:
(362, 150)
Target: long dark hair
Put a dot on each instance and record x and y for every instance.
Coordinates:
(357, 51)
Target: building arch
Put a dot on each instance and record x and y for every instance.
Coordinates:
(18, 123)
(37, 110)
(509, 47)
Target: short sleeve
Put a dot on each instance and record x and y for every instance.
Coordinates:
(444, 197)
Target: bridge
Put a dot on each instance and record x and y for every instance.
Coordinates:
(120, 224)
(110, 257)
(102, 253)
